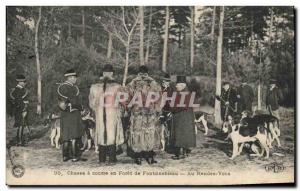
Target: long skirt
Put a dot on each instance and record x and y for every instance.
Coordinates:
(184, 134)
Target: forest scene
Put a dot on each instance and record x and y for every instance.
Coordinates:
(258, 44)
(208, 44)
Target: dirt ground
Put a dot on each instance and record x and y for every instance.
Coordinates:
(211, 153)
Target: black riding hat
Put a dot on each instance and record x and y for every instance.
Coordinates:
(20, 78)
(143, 69)
(273, 81)
(108, 68)
(166, 77)
(70, 72)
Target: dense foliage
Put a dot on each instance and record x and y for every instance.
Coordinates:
(75, 37)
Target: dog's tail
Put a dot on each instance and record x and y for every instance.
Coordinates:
(277, 121)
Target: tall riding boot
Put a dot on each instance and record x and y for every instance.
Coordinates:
(20, 135)
(75, 157)
(177, 153)
(102, 153)
(137, 158)
(66, 151)
(17, 136)
(151, 159)
(146, 156)
(112, 154)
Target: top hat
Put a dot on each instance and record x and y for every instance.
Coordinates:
(273, 81)
(226, 83)
(166, 77)
(143, 69)
(108, 68)
(181, 79)
(20, 78)
(70, 72)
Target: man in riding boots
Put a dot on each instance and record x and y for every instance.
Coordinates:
(109, 130)
(70, 122)
(19, 96)
(273, 97)
(228, 100)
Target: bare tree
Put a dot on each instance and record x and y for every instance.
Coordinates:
(271, 26)
(212, 33)
(192, 36)
(122, 26)
(83, 27)
(38, 65)
(166, 36)
(69, 26)
(141, 19)
(148, 39)
(259, 93)
(109, 45)
(218, 119)
(259, 85)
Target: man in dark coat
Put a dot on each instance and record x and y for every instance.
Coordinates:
(183, 121)
(245, 97)
(70, 122)
(166, 117)
(273, 96)
(19, 96)
(228, 100)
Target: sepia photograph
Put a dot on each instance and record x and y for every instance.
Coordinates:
(150, 95)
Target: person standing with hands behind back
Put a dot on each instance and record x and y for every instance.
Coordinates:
(19, 96)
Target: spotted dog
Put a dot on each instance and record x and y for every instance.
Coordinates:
(53, 120)
(200, 117)
(89, 127)
(270, 122)
(246, 131)
(164, 119)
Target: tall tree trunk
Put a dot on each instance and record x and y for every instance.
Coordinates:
(141, 18)
(271, 27)
(179, 36)
(192, 36)
(259, 95)
(165, 50)
(38, 65)
(148, 40)
(218, 119)
(126, 63)
(212, 32)
(83, 27)
(259, 85)
(69, 29)
(109, 46)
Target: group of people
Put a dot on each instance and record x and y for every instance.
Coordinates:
(143, 129)
(236, 100)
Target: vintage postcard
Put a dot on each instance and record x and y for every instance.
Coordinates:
(150, 95)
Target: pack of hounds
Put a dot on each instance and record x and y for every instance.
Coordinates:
(256, 132)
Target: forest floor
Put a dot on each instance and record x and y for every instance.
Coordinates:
(211, 154)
